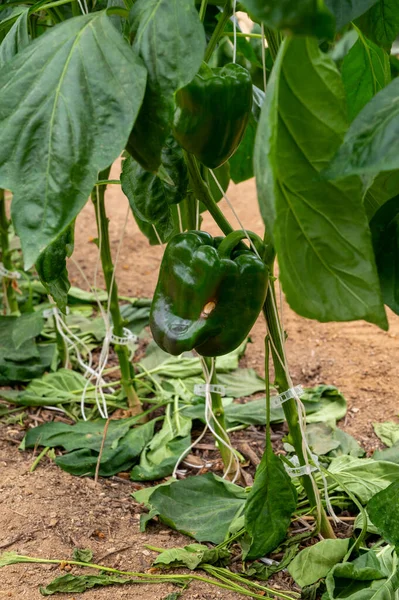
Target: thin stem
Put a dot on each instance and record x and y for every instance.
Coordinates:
(218, 31)
(228, 457)
(274, 40)
(203, 194)
(127, 373)
(61, 346)
(202, 11)
(39, 458)
(6, 256)
(289, 407)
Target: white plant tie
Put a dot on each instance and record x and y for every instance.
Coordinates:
(8, 274)
(128, 338)
(201, 389)
(298, 471)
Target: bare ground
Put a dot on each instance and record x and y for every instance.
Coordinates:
(47, 513)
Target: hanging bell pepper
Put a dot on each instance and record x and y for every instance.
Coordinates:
(212, 112)
(209, 293)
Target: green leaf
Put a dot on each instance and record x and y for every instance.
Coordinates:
(82, 555)
(241, 163)
(51, 267)
(159, 458)
(324, 403)
(362, 579)
(365, 71)
(347, 10)
(192, 556)
(384, 187)
(381, 23)
(364, 477)
(76, 125)
(241, 383)
(26, 327)
(321, 438)
(29, 368)
(383, 510)
(327, 270)
(80, 583)
(384, 228)
(269, 506)
(347, 445)
(170, 38)
(388, 432)
(363, 152)
(54, 388)
(303, 18)
(358, 524)
(389, 454)
(207, 519)
(16, 39)
(314, 562)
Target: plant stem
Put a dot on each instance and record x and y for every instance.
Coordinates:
(218, 31)
(61, 345)
(203, 194)
(202, 11)
(273, 41)
(189, 212)
(127, 373)
(6, 256)
(228, 457)
(289, 407)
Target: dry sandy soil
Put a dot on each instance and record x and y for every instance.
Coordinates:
(47, 513)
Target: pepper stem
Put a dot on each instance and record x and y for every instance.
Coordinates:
(127, 374)
(228, 456)
(218, 31)
(6, 257)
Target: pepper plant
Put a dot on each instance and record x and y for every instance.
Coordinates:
(176, 86)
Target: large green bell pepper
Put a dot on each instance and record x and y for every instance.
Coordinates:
(212, 112)
(209, 293)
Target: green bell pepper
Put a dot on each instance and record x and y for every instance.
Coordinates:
(212, 112)
(209, 293)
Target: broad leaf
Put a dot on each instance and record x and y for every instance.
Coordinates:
(388, 432)
(269, 506)
(170, 38)
(304, 18)
(16, 39)
(75, 584)
(381, 23)
(314, 562)
(54, 388)
(383, 510)
(390, 454)
(202, 507)
(363, 152)
(192, 556)
(26, 327)
(384, 228)
(347, 10)
(365, 71)
(327, 270)
(364, 477)
(58, 108)
(384, 187)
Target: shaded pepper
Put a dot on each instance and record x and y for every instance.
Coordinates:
(212, 112)
(209, 293)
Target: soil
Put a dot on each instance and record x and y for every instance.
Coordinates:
(48, 512)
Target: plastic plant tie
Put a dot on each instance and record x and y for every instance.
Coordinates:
(294, 392)
(54, 310)
(8, 274)
(201, 389)
(127, 338)
(299, 471)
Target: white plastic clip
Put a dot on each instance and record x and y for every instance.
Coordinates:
(295, 392)
(200, 389)
(8, 274)
(299, 471)
(128, 337)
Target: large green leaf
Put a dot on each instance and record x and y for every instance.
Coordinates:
(307, 17)
(16, 39)
(381, 23)
(365, 71)
(364, 477)
(327, 269)
(170, 38)
(383, 510)
(347, 10)
(315, 562)
(363, 151)
(269, 506)
(362, 579)
(384, 187)
(202, 507)
(384, 227)
(68, 102)
(388, 432)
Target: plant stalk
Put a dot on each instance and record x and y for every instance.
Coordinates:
(127, 373)
(218, 31)
(228, 457)
(274, 40)
(6, 256)
(289, 407)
